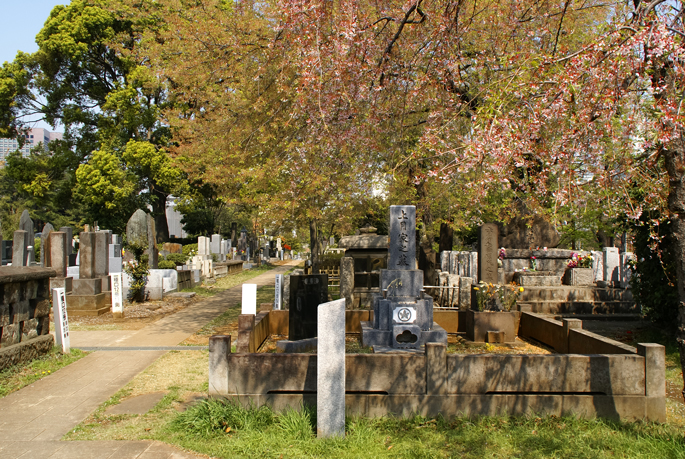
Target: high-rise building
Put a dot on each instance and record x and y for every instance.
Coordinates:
(34, 137)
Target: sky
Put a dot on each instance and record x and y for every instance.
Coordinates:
(21, 23)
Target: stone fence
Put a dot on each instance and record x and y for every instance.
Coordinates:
(609, 379)
(24, 314)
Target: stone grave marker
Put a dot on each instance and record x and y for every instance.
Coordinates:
(306, 294)
(59, 312)
(26, 224)
(86, 255)
(30, 255)
(69, 231)
(249, 302)
(402, 251)
(19, 247)
(58, 259)
(487, 253)
(45, 245)
(117, 295)
(330, 370)
(101, 254)
(278, 287)
(611, 266)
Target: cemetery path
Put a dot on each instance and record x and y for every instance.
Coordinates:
(33, 419)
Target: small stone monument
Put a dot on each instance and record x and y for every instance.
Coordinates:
(330, 370)
(403, 313)
(45, 245)
(26, 224)
(487, 253)
(306, 294)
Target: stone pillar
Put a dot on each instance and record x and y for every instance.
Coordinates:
(19, 248)
(86, 268)
(569, 324)
(219, 350)
(59, 258)
(330, 370)
(487, 253)
(45, 245)
(101, 255)
(655, 380)
(347, 281)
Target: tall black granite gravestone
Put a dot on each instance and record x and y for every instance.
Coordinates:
(403, 313)
(306, 294)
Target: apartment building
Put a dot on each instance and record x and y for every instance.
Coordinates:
(34, 137)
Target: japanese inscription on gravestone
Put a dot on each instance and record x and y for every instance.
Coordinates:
(402, 250)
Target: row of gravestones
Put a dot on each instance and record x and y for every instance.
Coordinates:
(610, 268)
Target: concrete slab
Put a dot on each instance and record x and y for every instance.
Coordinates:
(136, 405)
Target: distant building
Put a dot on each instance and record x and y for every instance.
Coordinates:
(33, 138)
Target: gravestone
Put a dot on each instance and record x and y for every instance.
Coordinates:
(86, 255)
(69, 231)
(45, 245)
(59, 260)
(216, 244)
(330, 370)
(26, 224)
(488, 253)
(611, 266)
(402, 249)
(19, 246)
(597, 266)
(306, 294)
(101, 255)
(403, 313)
(30, 255)
(140, 230)
(136, 228)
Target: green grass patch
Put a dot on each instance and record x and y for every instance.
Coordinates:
(227, 430)
(229, 281)
(18, 376)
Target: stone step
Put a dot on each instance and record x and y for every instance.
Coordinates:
(574, 293)
(582, 307)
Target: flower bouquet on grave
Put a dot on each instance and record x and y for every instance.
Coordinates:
(533, 263)
(579, 261)
(508, 295)
(487, 295)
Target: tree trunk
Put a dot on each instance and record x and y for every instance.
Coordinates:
(446, 237)
(159, 214)
(674, 157)
(314, 245)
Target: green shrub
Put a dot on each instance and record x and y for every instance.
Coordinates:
(188, 248)
(177, 258)
(166, 264)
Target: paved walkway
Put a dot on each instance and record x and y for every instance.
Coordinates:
(33, 419)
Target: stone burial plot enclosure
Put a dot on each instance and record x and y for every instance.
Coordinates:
(588, 376)
(24, 314)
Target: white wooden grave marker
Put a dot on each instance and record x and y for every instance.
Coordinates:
(249, 304)
(59, 311)
(117, 295)
(278, 286)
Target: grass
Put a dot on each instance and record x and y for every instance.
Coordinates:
(15, 377)
(229, 281)
(226, 430)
